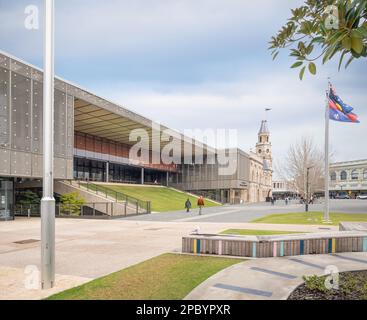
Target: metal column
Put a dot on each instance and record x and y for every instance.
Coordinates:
(107, 171)
(48, 201)
(142, 175)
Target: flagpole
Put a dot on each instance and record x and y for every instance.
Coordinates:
(326, 205)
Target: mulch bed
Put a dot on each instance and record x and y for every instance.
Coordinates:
(352, 286)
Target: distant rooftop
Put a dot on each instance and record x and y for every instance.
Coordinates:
(352, 162)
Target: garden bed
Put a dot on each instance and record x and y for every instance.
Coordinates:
(352, 286)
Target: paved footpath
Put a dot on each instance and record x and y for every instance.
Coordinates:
(272, 278)
(250, 211)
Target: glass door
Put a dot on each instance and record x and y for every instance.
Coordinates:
(6, 199)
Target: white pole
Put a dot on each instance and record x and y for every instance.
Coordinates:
(48, 201)
(326, 208)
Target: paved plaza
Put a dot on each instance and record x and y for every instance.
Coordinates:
(88, 249)
(249, 212)
(272, 278)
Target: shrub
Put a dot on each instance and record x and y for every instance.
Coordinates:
(29, 197)
(71, 203)
(315, 283)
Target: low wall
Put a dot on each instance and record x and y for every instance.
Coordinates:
(353, 226)
(276, 246)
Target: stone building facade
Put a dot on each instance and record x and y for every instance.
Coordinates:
(252, 181)
(349, 177)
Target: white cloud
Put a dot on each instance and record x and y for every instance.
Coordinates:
(195, 64)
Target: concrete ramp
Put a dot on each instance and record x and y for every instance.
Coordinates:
(103, 204)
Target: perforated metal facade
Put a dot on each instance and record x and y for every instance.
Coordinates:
(21, 107)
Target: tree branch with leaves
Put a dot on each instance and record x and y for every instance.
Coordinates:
(320, 29)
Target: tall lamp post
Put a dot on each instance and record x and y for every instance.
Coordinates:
(48, 201)
(307, 188)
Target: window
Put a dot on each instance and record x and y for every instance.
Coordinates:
(343, 175)
(365, 174)
(259, 150)
(333, 176)
(354, 174)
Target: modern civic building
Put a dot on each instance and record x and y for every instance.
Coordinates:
(349, 177)
(92, 143)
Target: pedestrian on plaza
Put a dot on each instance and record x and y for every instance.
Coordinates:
(188, 205)
(272, 201)
(286, 201)
(200, 204)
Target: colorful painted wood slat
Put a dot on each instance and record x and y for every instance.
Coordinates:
(333, 246)
(365, 244)
(198, 245)
(330, 245)
(254, 249)
(275, 249)
(282, 248)
(302, 247)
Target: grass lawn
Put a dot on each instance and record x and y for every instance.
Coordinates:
(169, 276)
(316, 218)
(162, 199)
(249, 232)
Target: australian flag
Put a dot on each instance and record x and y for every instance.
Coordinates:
(338, 110)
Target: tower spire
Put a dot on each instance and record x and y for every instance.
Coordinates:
(263, 146)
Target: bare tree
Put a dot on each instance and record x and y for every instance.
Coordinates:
(300, 156)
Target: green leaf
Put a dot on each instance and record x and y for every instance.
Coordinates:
(297, 64)
(357, 45)
(360, 32)
(312, 68)
(347, 43)
(302, 73)
(328, 54)
(349, 61)
(341, 59)
(275, 55)
(317, 40)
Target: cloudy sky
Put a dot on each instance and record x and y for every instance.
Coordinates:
(194, 64)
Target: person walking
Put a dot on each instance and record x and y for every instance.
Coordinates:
(188, 205)
(286, 201)
(200, 204)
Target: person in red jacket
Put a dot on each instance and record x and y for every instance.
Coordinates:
(200, 204)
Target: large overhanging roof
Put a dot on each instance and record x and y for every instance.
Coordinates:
(98, 116)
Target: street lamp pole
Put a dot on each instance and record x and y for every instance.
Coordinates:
(48, 201)
(307, 188)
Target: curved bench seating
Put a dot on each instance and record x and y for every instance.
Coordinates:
(276, 245)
